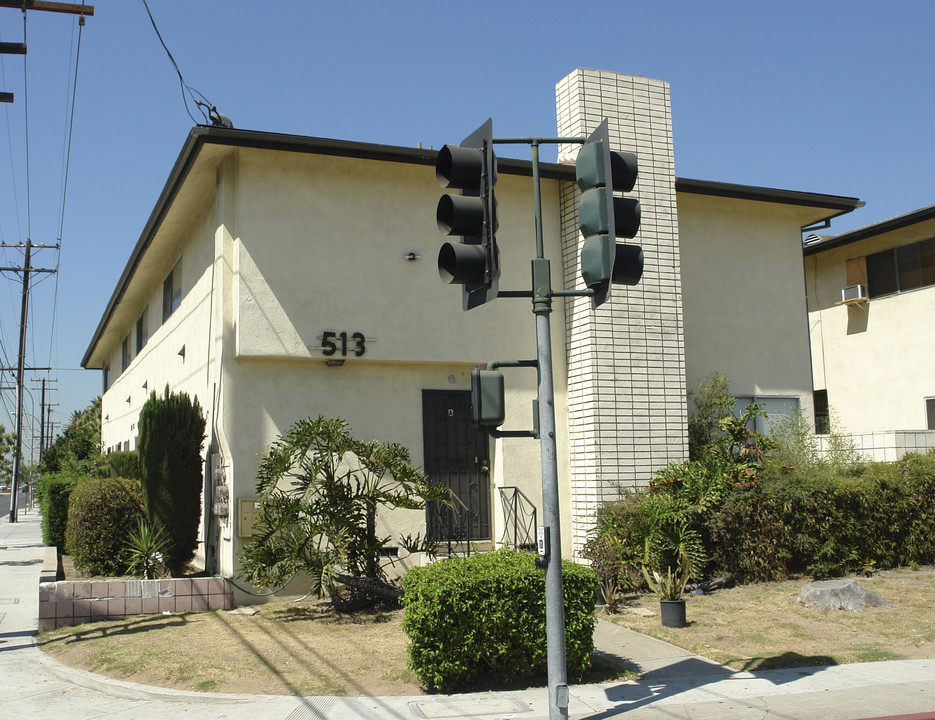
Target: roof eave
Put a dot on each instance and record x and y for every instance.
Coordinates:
(869, 231)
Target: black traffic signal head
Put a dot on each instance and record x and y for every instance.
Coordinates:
(474, 262)
(603, 217)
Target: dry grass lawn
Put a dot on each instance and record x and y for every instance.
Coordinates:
(764, 626)
(285, 649)
(308, 649)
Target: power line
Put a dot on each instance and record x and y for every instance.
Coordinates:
(26, 118)
(61, 225)
(185, 85)
(212, 116)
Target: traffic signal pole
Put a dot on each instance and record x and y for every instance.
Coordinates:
(474, 264)
(554, 597)
(542, 294)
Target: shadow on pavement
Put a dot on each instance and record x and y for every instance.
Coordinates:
(693, 673)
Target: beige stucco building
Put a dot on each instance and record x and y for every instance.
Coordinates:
(870, 297)
(282, 277)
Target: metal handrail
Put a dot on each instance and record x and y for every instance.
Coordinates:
(519, 515)
(453, 522)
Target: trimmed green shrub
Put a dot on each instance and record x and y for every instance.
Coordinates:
(53, 491)
(102, 512)
(469, 618)
(122, 463)
(172, 429)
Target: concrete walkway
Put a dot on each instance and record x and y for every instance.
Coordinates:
(674, 685)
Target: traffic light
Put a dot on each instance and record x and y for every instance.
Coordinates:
(474, 262)
(488, 408)
(603, 218)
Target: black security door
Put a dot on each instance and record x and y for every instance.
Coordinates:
(456, 456)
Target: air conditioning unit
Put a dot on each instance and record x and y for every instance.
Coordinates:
(854, 294)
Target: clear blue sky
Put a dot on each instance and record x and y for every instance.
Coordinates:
(830, 97)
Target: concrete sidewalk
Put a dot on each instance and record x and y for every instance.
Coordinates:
(674, 684)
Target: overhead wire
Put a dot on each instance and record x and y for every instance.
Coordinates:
(26, 119)
(184, 85)
(67, 165)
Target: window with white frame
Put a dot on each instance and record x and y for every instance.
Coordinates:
(777, 408)
(930, 413)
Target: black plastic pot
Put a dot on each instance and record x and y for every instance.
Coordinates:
(673, 613)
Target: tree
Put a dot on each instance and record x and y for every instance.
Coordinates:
(320, 491)
(172, 430)
(7, 443)
(78, 448)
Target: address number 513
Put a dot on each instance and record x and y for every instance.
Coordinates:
(333, 343)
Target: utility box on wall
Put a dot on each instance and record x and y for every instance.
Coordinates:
(248, 510)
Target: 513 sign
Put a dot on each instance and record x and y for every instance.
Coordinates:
(343, 343)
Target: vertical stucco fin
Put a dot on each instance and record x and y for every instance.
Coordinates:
(626, 360)
(221, 336)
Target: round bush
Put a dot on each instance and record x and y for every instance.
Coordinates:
(101, 514)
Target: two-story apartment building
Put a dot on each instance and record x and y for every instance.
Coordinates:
(281, 277)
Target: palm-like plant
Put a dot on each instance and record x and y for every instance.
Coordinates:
(320, 490)
(145, 551)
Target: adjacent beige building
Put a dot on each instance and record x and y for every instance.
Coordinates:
(281, 277)
(870, 297)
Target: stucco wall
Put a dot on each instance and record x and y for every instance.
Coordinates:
(742, 291)
(287, 246)
(320, 246)
(161, 362)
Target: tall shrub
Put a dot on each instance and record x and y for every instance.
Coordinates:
(826, 524)
(172, 430)
(102, 512)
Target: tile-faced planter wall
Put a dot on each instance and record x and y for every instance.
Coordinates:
(72, 602)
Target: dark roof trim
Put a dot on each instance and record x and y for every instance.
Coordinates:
(367, 151)
(869, 231)
(787, 197)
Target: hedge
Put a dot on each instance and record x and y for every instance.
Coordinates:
(484, 615)
(53, 491)
(824, 526)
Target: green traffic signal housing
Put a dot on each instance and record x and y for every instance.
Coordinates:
(488, 405)
(474, 262)
(603, 217)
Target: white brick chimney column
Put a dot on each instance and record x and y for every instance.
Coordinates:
(626, 360)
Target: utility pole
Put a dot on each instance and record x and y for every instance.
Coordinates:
(45, 419)
(7, 48)
(27, 270)
(20, 49)
(59, 7)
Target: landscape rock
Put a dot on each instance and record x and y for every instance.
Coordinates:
(839, 594)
